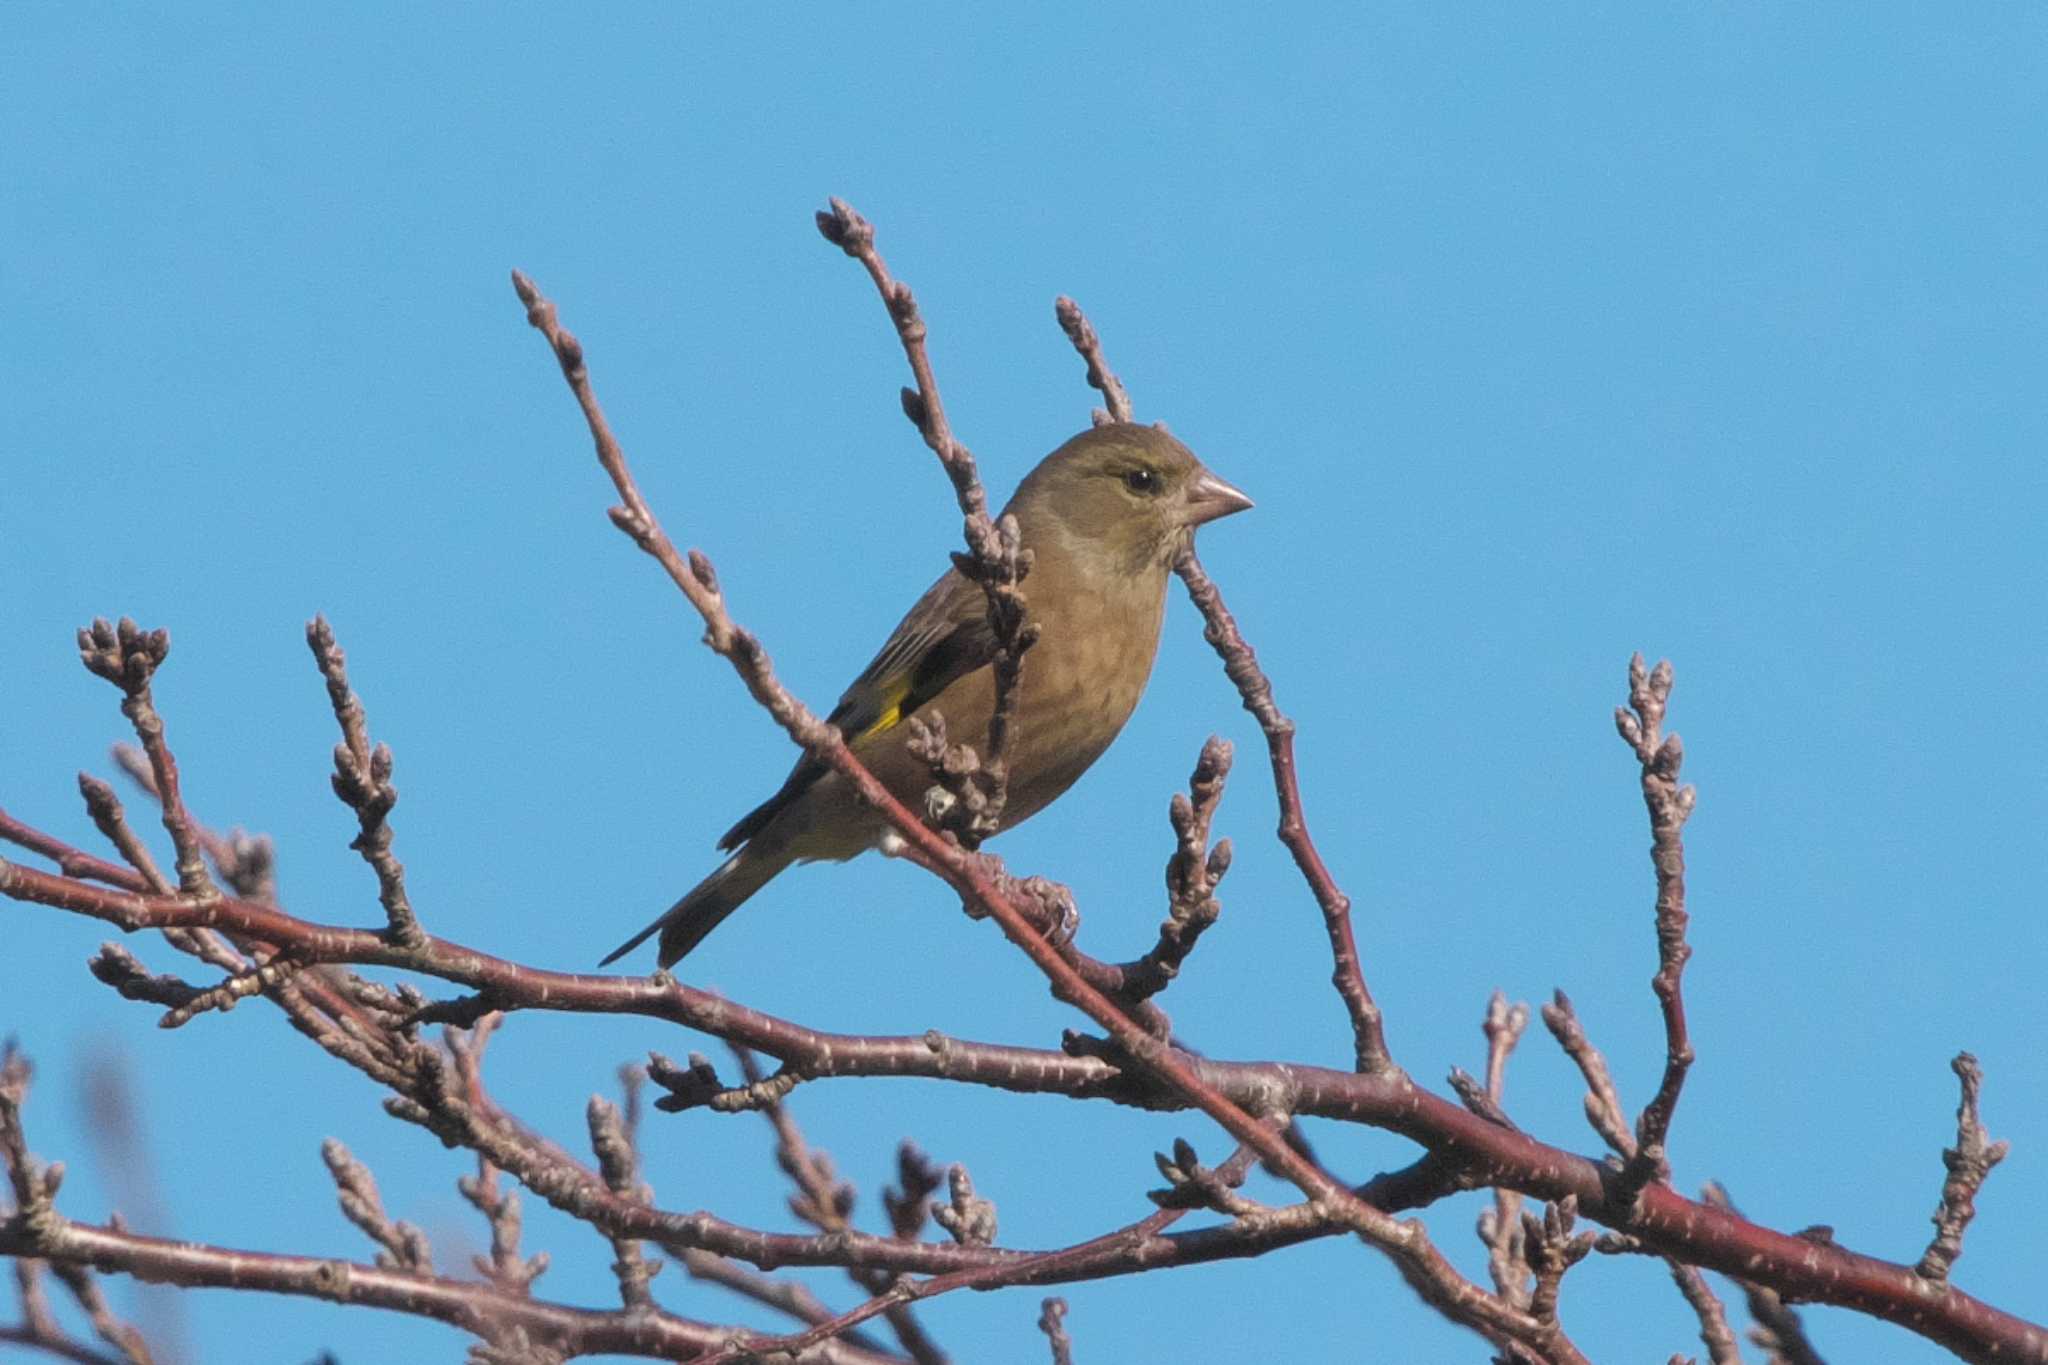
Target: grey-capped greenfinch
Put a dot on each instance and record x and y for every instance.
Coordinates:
(1103, 517)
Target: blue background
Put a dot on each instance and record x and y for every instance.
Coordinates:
(1714, 332)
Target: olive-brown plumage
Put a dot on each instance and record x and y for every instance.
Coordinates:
(1103, 516)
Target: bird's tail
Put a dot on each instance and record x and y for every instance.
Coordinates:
(684, 925)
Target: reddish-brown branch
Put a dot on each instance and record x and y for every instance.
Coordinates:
(1241, 664)
(1136, 1067)
(785, 1296)
(72, 862)
(826, 1203)
(314, 1004)
(1665, 1222)
(465, 1304)
(1039, 1268)
(1777, 1329)
(1603, 1110)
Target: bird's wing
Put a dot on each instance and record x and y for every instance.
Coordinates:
(943, 638)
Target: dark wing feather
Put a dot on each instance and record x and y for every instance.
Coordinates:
(944, 637)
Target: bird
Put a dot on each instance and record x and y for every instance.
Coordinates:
(1103, 518)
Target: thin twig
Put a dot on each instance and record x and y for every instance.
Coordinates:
(404, 1246)
(362, 779)
(112, 822)
(1969, 1162)
(1715, 1334)
(1241, 665)
(1500, 1226)
(1641, 725)
(1042, 1267)
(996, 558)
(128, 657)
(1052, 1317)
(505, 1267)
(1603, 1103)
(1192, 874)
(619, 1164)
(826, 1203)
(1552, 1249)
(1101, 378)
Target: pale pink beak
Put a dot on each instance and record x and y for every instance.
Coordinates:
(1210, 497)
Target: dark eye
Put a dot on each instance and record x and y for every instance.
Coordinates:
(1141, 481)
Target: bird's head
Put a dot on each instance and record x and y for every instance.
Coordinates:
(1131, 491)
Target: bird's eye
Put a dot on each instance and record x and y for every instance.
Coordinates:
(1141, 480)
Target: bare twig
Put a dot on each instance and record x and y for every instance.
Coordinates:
(1100, 377)
(128, 657)
(1039, 1268)
(1715, 1334)
(1969, 1162)
(1052, 1317)
(362, 779)
(1500, 1226)
(1241, 665)
(996, 558)
(53, 1342)
(461, 1303)
(1604, 1112)
(245, 861)
(1641, 724)
(72, 862)
(1552, 1248)
(1191, 1185)
(1192, 874)
(968, 1218)
(909, 1200)
(112, 822)
(505, 1267)
(785, 1296)
(619, 1164)
(34, 1187)
(1603, 1104)
(826, 1203)
(404, 1246)
(316, 1004)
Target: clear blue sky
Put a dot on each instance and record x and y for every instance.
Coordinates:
(1713, 331)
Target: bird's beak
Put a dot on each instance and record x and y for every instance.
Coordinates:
(1210, 497)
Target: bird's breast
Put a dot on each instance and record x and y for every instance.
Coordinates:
(1080, 684)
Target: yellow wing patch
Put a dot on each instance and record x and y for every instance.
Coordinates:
(894, 693)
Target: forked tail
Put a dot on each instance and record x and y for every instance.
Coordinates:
(684, 925)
